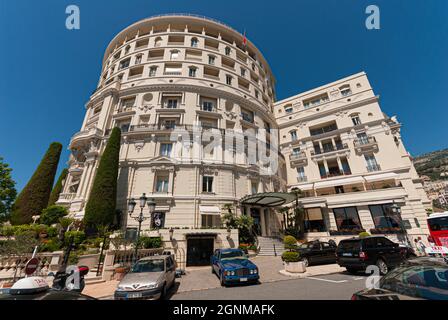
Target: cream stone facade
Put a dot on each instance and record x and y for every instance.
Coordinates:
(349, 160)
(168, 81)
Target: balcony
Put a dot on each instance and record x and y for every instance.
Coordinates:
(330, 151)
(66, 197)
(336, 174)
(172, 73)
(365, 144)
(86, 135)
(373, 168)
(76, 168)
(299, 158)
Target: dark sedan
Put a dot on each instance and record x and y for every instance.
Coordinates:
(419, 278)
(316, 252)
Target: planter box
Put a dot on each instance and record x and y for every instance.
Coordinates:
(295, 267)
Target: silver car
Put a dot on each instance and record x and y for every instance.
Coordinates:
(149, 278)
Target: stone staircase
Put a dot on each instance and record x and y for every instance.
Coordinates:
(270, 246)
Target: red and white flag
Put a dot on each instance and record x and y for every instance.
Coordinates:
(244, 39)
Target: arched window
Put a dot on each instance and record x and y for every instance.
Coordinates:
(174, 54)
(127, 49)
(152, 71)
(158, 42)
(194, 42)
(227, 51)
(192, 71)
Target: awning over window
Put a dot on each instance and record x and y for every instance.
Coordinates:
(338, 182)
(210, 210)
(268, 199)
(381, 176)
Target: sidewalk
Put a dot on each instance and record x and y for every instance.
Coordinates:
(201, 278)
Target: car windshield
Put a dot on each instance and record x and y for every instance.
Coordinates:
(234, 254)
(427, 282)
(438, 224)
(156, 265)
(349, 245)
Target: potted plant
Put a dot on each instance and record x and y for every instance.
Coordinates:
(292, 263)
(252, 250)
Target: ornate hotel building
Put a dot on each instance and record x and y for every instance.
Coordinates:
(168, 80)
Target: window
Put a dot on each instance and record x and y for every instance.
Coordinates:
(363, 138)
(257, 94)
(211, 221)
(169, 124)
(383, 217)
(207, 184)
(288, 108)
(314, 220)
(171, 103)
(345, 90)
(243, 72)
(194, 42)
(356, 120)
(211, 60)
(254, 187)
(371, 163)
(162, 184)
(124, 126)
(138, 59)
(293, 135)
(165, 149)
(339, 189)
(227, 51)
(296, 151)
(301, 174)
(124, 64)
(207, 106)
(192, 72)
(315, 101)
(158, 42)
(347, 218)
(229, 80)
(247, 116)
(174, 55)
(152, 71)
(127, 49)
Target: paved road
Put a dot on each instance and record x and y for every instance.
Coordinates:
(339, 286)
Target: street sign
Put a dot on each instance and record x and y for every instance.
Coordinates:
(31, 266)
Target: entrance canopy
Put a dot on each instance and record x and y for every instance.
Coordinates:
(268, 199)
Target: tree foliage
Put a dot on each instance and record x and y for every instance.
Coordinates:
(52, 214)
(57, 189)
(34, 197)
(7, 190)
(100, 208)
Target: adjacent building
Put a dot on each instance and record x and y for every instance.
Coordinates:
(176, 83)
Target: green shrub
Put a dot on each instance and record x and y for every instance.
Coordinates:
(50, 245)
(7, 231)
(34, 196)
(52, 214)
(52, 232)
(290, 242)
(364, 234)
(101, 207)
(23, 228)
(150, 242)
(77, 236)
(290, 256)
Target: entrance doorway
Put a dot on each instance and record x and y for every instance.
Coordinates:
(199, 251)
(255, 214)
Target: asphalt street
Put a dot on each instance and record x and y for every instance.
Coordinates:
(338, 286)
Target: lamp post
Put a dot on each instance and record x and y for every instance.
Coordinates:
(298, 220)
(143, 201)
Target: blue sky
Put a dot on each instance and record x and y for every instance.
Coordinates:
(48, 72)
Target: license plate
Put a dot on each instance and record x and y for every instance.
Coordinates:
(134, 295)
(347, 254)
(243, 279)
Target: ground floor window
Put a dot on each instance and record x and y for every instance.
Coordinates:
(347, 218)
(383, 217)
(314, 220)
(211, 221)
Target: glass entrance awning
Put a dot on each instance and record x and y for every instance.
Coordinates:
(268, 199)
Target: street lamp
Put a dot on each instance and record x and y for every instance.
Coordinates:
(396, 210)
(140, 218)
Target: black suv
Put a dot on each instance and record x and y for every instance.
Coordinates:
(316, 252)
(357, 253)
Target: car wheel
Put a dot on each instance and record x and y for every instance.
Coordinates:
(382, 266)
(305, 262)
(163, 292)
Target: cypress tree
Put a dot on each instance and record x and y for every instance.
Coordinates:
(54, 196)
(34, 196)
(100, 208)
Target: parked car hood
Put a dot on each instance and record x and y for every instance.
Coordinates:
(141, 278)
(238, 263)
